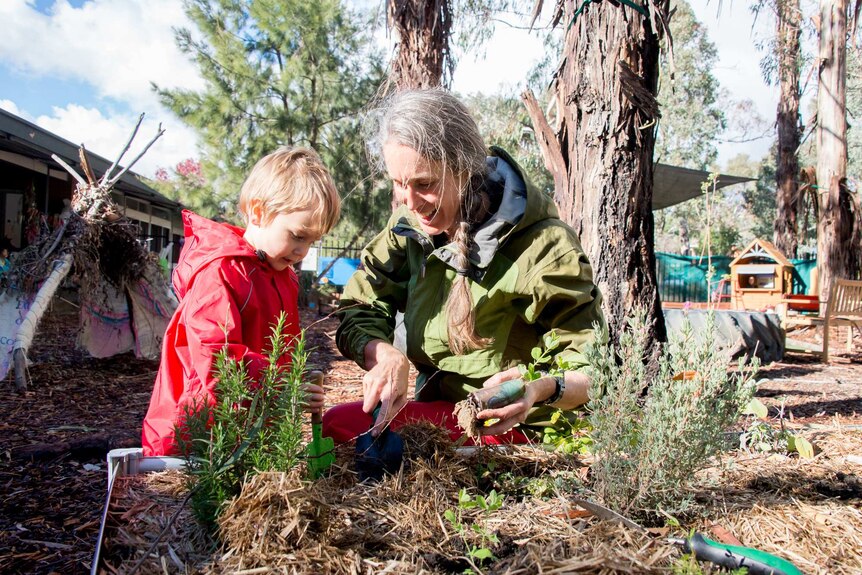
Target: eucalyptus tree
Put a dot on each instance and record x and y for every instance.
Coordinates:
(788, 53)
(854, 113)
(838, 230)
(280, 72)
(782, 64)
(423, 56)
(601, 153)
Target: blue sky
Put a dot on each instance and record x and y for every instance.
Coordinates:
(82, 69)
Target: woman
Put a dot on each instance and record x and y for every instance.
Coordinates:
(482, 268)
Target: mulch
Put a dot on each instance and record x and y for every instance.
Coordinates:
(54, 438)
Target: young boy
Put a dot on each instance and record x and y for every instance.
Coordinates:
(234, 283)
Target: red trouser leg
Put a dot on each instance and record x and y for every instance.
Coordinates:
(347, 421)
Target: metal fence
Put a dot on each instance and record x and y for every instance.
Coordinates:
(333, 249)
(684, 278)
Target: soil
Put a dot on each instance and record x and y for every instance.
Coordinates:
(54, 437)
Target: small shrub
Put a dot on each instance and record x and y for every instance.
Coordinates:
(652, 434)
(253, 427)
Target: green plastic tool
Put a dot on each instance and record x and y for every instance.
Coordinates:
(319, 453)
(733, 557)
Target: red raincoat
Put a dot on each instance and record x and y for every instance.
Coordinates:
(227, 296)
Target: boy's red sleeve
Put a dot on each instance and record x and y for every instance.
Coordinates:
(212, 319)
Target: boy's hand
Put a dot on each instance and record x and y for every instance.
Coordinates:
(314, 395)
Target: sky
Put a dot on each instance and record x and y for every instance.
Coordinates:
(83, 69)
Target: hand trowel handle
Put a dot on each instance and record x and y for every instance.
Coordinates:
(316, 377)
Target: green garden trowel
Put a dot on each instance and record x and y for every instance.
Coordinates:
(319, 452)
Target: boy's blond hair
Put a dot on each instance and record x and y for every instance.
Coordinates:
(288, 180)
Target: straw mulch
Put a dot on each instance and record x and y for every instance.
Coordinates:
(805, 511)
(150, 509)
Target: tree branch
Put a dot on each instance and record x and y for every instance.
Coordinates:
(547, 139)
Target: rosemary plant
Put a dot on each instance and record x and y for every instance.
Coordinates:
(254, 426)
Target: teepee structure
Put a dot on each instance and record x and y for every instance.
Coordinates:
(116, 274)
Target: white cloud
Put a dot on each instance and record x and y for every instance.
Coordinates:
(117, 47)
(105, 136)
(10, 106)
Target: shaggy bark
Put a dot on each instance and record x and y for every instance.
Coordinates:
(423, 58)
(837, 246)
(786, 228)
(605, 90)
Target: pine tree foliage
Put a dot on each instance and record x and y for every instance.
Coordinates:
(648, 449)
(253, 426)
(278, 72)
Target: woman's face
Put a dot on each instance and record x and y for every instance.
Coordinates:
(425, 187)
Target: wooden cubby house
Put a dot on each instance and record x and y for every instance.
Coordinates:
(761, 277)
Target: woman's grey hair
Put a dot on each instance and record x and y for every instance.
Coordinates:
(440, 128)
(434, 123)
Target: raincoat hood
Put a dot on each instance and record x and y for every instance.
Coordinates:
(205, 242)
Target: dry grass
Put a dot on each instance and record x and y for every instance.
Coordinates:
(805, 511)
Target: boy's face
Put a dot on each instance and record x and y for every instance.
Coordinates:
(285, 239)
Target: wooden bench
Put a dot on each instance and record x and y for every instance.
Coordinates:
(844, 308)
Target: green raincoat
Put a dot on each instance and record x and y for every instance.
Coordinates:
(528, 275)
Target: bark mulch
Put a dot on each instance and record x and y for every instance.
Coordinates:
(54, 438)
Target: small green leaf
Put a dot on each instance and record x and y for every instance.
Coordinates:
(555, 417)
(536, 353)
(450, 516)
(755, 408)
(481, 554)
(804, 447)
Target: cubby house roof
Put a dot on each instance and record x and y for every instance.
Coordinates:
(762, 248)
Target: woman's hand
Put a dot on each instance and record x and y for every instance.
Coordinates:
(516, 412)
(385, 382)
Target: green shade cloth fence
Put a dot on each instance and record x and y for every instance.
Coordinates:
(684, 278)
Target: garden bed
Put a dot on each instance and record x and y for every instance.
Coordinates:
(428, 519)
(51, 503)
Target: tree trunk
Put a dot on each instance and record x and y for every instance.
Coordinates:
(785, 235)
(837, 256)
(605, 90)
(422, 58)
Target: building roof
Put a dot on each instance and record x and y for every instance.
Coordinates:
(762, 249)
(673, 185)
(19, 136)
